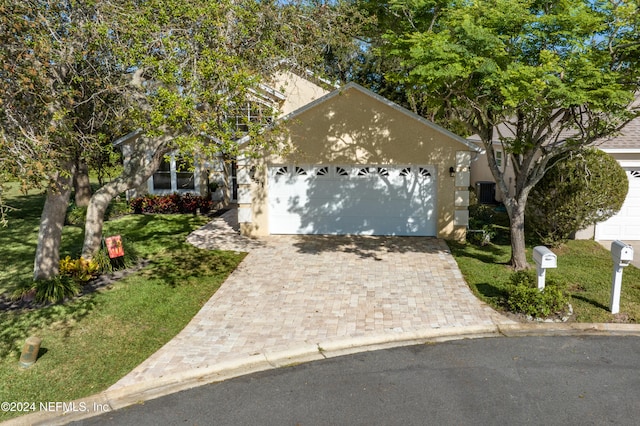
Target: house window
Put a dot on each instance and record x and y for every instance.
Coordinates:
(341, 172)
(499, 159)
(250, 113)
(424, 172)
(184, 178)
(162, 178)
(173, 175)
(405, 171)
(323, 171)
(364, 171)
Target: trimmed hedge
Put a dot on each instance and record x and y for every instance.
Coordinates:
(173, 203)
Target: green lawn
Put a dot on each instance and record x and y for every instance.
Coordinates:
(584, 266)
(92, 342)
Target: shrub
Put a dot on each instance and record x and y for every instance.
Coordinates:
(76, 215)
(481, 224)
(586, 188)
(79, 270)
(524, 297)
(108, 265)
(173, 203)
(116, 209)
(56, 289)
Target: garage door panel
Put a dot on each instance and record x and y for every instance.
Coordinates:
(352, 200)
(625, 225)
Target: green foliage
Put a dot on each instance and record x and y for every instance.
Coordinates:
(56, 289)
(107, 265)
(541, 78)
(79, 270)
(483, 225)
(524, 297)
(116, 209)
(168, 204)
(587, 187)
(76, 215)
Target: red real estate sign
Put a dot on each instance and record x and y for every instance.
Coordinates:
(114, 246)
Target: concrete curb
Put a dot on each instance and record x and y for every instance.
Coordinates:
(111, 400)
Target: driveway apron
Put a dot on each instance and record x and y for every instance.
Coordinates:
(296, 291)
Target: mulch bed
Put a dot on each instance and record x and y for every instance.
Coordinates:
(101, 282)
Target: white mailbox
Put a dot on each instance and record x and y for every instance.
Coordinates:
(544, 257)
(621, 253)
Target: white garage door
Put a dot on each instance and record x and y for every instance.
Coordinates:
(372, 200)
(626, 224)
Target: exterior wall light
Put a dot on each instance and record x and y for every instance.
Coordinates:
(452, 172)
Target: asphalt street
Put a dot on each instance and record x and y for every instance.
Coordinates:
(588, 380)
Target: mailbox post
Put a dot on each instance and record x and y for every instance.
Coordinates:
(622, 255)
(544, 259)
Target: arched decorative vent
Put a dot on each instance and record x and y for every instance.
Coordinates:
(322, 171)
(282, 171)
(424, 172)
(382, 171)
(341, 172)
(406, 171)
(363, 171)
(300, 171)
(635, 174)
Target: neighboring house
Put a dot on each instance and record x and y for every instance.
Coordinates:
(358, 164)
(362, 165)
(624, 147)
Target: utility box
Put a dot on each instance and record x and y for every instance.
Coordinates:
(544, 257)
(621, 253)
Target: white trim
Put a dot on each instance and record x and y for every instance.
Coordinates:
(621, 150)
(127, 137)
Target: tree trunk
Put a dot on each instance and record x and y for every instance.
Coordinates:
(518, 248)
(137, 169)
(81, 184)
(95, 218)
(47, 259)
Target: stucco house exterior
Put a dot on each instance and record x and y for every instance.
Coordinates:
(359, 164)
(624, 147)
(356, 163)
(286, 92)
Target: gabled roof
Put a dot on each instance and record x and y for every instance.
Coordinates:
(628, 140)
(354, 86)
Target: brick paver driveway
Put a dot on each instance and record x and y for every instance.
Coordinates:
(296, 291)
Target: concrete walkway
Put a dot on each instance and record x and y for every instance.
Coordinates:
(303, 293)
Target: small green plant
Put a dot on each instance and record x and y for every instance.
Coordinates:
(481, 236)
(80, 270)
(56, 289)
(108, 265)
(76, 215)
(524, 297)
(117, 209)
